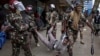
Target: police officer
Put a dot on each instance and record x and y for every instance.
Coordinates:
(20, 37)
(97, 23)
(53, 20)
(32, 23)
(76, 16)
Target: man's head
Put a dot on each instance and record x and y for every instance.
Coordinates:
(29, 9)
(97, 12)
(78, 7)
(65, 41)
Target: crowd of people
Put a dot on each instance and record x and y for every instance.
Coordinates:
(23, 23)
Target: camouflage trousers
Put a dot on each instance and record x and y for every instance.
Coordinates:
(18, 44)
(16, 49)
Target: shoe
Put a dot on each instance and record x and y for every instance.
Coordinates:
(82, 42)
(37, 44)
(48, 49)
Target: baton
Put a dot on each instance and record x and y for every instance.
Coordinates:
(92, 46)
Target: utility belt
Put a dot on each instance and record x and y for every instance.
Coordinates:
(73, 30)
(80, 26)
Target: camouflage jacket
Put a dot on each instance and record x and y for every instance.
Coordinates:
(17, 22)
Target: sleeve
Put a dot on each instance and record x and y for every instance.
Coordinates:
(69, 18)
(70, 15)
(83, 17)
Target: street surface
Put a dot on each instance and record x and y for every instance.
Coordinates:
(78, 49)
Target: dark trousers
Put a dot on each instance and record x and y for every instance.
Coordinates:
(35, 36)
(97, 31)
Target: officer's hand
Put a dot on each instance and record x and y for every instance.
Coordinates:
(93, 31)
(35, 29)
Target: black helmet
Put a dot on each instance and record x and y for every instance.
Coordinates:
(29, 9)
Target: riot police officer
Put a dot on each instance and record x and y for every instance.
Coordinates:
(32, 22)
(20, 37)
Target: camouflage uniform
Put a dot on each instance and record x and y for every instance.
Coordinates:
(54, 21)
(32, 25)
(19, 36)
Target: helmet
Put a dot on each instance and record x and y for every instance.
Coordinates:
(78, 4)
(29, 9)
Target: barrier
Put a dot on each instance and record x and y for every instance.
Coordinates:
(2, 39)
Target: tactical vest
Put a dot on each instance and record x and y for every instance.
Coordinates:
(75, 20)
(97, 19)
(18, 23)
